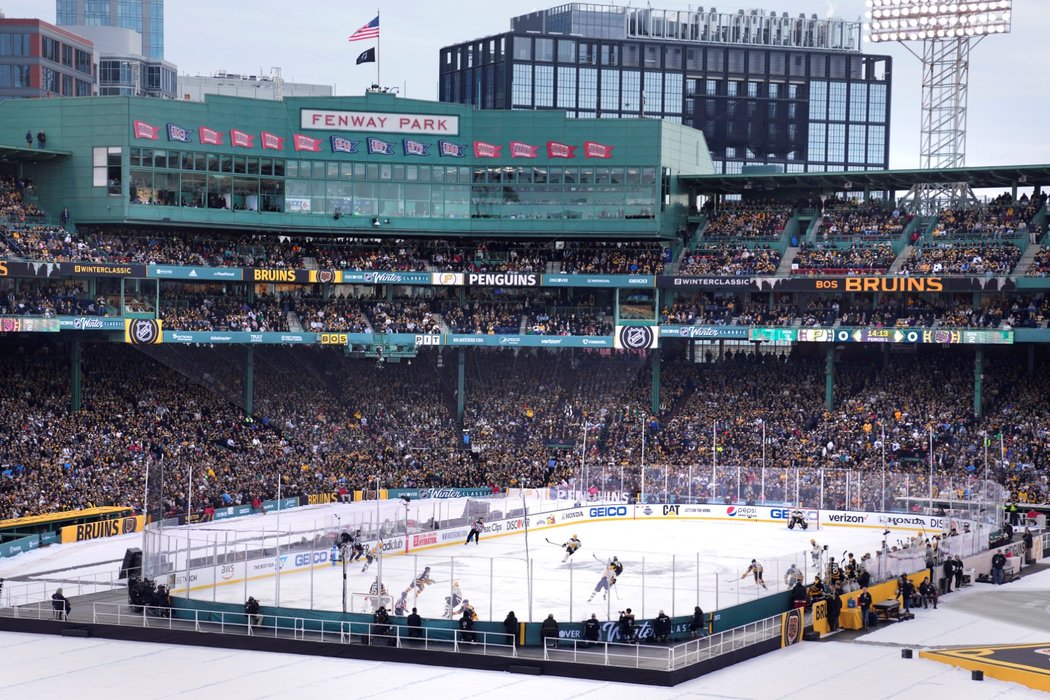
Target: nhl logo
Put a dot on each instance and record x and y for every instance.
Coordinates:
(144, 331)
(636, 337)
(325, 276)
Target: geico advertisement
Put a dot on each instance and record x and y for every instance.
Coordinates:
(102, 528)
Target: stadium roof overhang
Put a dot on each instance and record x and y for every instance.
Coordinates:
(876, 180)
(21, 154)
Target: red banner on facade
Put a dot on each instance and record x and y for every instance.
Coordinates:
(272, 142)
(210, 136)
(560, 150)
(305, 143)
(596, 150)
(145, 131)
(522, 150)
(242, 139)
(486, 150)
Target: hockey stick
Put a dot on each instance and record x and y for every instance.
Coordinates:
(554, 543)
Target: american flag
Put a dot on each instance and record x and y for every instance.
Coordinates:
(369, 31)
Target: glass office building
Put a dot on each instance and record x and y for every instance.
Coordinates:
(143, 16)
(766, 89)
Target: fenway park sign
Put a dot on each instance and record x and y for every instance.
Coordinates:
(379, 122)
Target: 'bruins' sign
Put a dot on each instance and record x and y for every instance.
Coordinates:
(102, 528)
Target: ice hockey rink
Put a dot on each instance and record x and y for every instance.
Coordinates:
(668, 565)
(870, 667)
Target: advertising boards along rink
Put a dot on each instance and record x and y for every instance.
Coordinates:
(675, 556)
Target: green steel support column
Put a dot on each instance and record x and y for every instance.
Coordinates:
(389, 293)
(829, 378)
(251, 292)
(461, 374)
(249, 383)
(74, 377)
(656, 383)
(978, 383)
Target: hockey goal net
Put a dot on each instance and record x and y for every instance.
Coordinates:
(370, 602)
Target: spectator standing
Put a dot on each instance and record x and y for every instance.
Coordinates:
(251, 609)
(998, 564)
(549, 630)
(29, 138)
(415, 625)
(510, 626)
(697, 627)
(591, 627)
(864, 601)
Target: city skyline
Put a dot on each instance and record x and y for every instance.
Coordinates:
(1005, 106)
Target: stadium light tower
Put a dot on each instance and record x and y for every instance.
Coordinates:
(948, 30)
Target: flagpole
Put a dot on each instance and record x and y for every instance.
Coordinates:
(378, 34)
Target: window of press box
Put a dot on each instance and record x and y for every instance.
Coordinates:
(107, 169)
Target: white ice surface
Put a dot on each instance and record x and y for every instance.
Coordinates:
(45, 666)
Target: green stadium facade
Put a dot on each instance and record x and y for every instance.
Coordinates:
(347, 164)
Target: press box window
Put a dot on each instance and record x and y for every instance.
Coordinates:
(106, 168)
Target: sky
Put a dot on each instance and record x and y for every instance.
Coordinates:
(1008, 102)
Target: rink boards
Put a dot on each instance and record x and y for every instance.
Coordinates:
(301, 561)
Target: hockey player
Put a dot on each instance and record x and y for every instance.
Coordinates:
(755, 569)
(356, 546)
(420, 582)
(570, 548)
(815, 554)
(376, 594)
(792, 576)
(607, 581)
(475, 531)
(453, 600)
(797, 518)
(466, 610)
(373, 552)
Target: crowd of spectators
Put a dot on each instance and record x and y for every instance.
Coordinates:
(483, 318)
(976, 259)
(324, 421)
(1001, 217)
(854, 219)
(51, 299)
(334, 315)
(756, 220)
(1040, 265)
(579, 322)
(401, 316)
(196, 312)
(730, 260)
(704, 309)
(614, 259)
(828, 258)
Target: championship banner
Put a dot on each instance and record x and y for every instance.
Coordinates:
(102, 528)
(792, 624)
(630, 337)
(143, 331)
